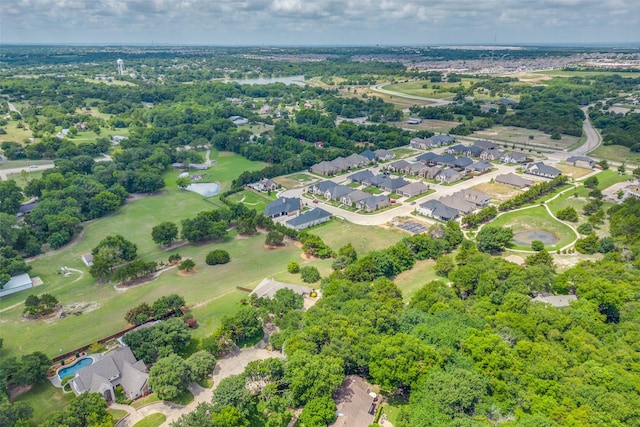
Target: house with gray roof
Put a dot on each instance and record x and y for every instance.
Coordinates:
(374, 203)
(485, 145)
(20, 282)
(264, 185)
(308, 219)
(283, 206)
(458, 202)
(341, 164)
(370, 155)
(392, 184)
(354, 197)
(445, 159)
(458, 149)
(438, 210)
(116, 368)
(513, 157)
(440, 140)
(356, 161)
(415, 168)
(360, 175)
(267, 288)
(427, 158)
(513, 180)
(323, 168)
(375, 180)
(479, 167)
(26, 208)
(399, 166)
(321, 187)
(420, 143)
(384, 155)
(448, 176)
(461, 163)
(431, 172)
(581, 162)
(478, 198)
(540, 169)
(337, 192)
(413, 189)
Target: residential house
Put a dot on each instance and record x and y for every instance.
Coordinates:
(337, 192)
(308, 219)
(264, 185)
(479, 167)
(265, 109)
(87, 259)
(506, 101)
(427, 158)
(444, 159)
(283, 206)
(360, 176)
(384, 155)
(341, 164)
(351, 199)
(267, 288)
(474, 151)
(440, 140)
(458, 202)
(448, 176)
(438, 210)
(239, 120)
(392, 184)
(420, 143)
(321, 187)
(399, 166)
(116, 368)
(430, 172)
(26, 208)
(485, 145)
(555, 300)
(324, 168)
(375, 180)
(492, 154)
(540, 169)
(513, 157)
(413, 189)
(458, 150)
(415, 168)
(374, 203)
(631, 191)
(370, 155)
(461, 163)
(581, 162)
(18, 283)
(513, 180)
(357, 161)
(478, 198)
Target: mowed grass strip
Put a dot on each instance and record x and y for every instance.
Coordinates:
(45, 399)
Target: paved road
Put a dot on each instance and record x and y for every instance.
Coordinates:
(4, 173)
(435, 102)
(592, 142)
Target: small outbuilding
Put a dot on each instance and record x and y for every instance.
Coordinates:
(18, 283)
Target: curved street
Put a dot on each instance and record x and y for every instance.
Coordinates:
(435, 102)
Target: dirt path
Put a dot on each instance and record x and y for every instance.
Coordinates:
(10, 307)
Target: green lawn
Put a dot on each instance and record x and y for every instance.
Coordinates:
(536, 218)
(363, 238)
(253, 199)
(153, 420)
(117, 414)
(609, 177)
(45, 399)
(145, 400)
(616, 153)
(413, 280)
(404, 152)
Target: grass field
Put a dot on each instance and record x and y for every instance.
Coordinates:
(536, 218)
(498, 192)
(363, 238)
(411, 281)
(428, 89)
(23, 178)
(616, 153)
(296, 180)
(153, 420)
(572, 171)
(14, 133)
(610, 177)
(253, 199)
(520, 136)
(562, 73)
(45, 399)
(405, 152)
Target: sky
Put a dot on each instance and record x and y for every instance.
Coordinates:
(320, 22)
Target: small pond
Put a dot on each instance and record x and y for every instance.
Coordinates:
(206, 189)
(524, 238)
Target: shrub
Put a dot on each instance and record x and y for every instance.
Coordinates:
(309, 274)
(568, 214)
(217, 256)
(585, 228)
(187, 265)
(293, 267)
(537, 245)
(174, 258)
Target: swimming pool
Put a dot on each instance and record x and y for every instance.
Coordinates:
(72, 369)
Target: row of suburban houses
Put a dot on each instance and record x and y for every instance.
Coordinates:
(354, 161)
(449, 207)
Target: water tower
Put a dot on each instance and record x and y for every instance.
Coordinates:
(120, 63)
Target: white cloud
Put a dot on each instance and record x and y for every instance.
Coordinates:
(319, 21)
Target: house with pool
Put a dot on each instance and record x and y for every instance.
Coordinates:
(103, 375)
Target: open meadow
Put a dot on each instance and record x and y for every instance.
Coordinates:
(521, 137)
